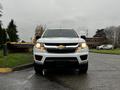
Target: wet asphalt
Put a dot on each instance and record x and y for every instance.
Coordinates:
(103, 74)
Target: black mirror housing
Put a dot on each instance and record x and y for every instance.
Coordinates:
(83, 37)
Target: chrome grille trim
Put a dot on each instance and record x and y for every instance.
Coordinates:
(56, 46)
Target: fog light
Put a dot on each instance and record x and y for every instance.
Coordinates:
(83, 57)
(38, 57)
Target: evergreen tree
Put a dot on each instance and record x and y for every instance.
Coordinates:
(2, 31)
(3, 36)
(12, 31)
(100, 33)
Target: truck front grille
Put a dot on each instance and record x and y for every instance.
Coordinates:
(68, 47)
(66, 50)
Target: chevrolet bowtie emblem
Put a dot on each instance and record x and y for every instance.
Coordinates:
(61, 46)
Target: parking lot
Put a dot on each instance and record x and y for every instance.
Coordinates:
(103, 74)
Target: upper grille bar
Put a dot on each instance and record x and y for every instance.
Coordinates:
(66, 45)
(57, 44)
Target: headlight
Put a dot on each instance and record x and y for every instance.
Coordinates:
(38, 45)
(83, 45)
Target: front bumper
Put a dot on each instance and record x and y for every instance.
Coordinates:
(49, 60)
(45, 56)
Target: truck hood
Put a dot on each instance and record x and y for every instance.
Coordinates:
(60, 40)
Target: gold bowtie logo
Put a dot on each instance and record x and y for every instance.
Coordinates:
(61, 46)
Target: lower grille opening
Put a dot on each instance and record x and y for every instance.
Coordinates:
(57, 44)
(61, 58)
(83, 57)
(61, 62)
(38, 57)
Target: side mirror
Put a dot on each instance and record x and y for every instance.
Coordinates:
(83, 37)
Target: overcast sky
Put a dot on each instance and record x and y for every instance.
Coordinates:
(78, 14)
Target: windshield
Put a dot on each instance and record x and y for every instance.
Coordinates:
(68, 33)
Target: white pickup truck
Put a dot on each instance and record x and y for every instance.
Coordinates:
(60, 48)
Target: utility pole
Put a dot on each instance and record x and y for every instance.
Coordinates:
(114, 38)
(87, 33)
(117, 34)
(5, 50)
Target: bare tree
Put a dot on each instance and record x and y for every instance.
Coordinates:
(118, 36)
(38, 32)
(1, 8)
(113, 35)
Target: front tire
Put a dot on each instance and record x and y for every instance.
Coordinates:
(38, 69)
(83, 68)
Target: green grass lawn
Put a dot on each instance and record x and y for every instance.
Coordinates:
(15, 59)
(114, 51)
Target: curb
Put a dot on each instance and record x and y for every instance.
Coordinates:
(21, 67)
(103, 53)
(18, 68)
(5, 70)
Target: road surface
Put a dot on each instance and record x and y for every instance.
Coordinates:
(103, 74)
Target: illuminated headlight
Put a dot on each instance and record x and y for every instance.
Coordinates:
(40, 46)
(83, 45)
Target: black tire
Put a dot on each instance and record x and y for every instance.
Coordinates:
(38, 69)
(83, 68)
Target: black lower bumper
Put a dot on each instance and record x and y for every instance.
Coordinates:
(61, 63)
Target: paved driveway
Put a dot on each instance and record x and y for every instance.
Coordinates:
(103, 74)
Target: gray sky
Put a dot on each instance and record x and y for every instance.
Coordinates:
(78, 14)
